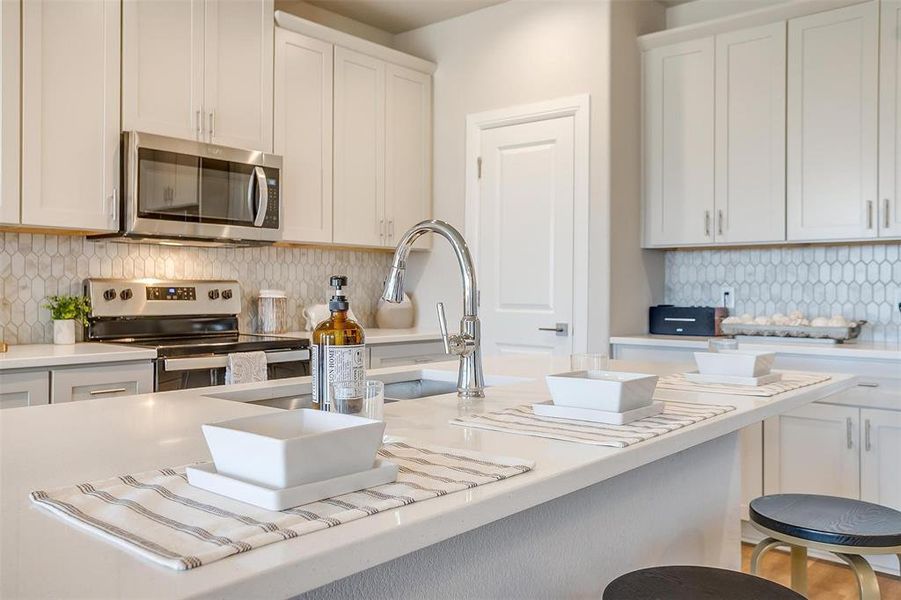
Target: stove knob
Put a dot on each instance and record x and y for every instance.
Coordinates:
(109, 294)
(213, 294)
(226, 294)
(126, 294)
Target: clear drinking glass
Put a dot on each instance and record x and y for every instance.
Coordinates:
(588, 362)
(344, 400)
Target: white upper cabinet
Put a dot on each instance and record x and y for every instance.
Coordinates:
(889, 209)
(199, 69)
(833, 60)
(238, 59)
(359, 149)
(679, 143)
(303, 135)
(750, 135)
(9, 112)
(162, 67)
(408, 141)
(70, 113)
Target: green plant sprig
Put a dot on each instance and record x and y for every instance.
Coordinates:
(69, 307)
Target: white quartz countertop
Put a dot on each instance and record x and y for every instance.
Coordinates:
(857, 350)
(48, 446)
(29, 356)
(376, 336)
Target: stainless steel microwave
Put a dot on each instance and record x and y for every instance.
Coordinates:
(191, 191)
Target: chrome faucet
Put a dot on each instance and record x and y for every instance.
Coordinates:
(466, 344)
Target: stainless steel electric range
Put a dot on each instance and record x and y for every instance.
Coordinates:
(193, 325)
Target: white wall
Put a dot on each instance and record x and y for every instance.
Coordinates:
(335, 21)
(514, 53)
(705, 10)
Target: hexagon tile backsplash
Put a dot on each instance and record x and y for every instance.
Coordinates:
(857, 282)
(34, 266)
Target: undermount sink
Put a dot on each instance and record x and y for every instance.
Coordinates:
(404, 385)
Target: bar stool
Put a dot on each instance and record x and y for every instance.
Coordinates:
(694, 583)
(847, 528)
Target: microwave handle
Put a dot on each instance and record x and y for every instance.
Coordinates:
(262, 195)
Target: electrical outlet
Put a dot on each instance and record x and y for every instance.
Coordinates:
(727, 296)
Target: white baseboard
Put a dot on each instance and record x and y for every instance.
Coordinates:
(886, 563)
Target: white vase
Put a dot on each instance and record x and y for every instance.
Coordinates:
(64, 331)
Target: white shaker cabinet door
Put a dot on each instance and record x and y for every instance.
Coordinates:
(238, 59)
(9, 112)
(880, 482)
(890, 120)
(813, 449)
(359, 171)
(162, 67)
(408, 143)
(833, 59)
(70, 113)
(31, 388)
(750, 135)
(303, 135)
(679, 143)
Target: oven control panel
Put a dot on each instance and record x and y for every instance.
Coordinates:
(171, 293)
(149, 297)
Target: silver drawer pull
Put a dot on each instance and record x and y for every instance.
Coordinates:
(109, 391)
(866, 429)
(849, 426)
(868, 384)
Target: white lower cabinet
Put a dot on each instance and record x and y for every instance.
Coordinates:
(409, 353)
(87, 383)
(751, 445)
(30, 388)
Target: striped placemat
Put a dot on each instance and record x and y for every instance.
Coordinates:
(159, 516)
(522, 420)
(791, 380)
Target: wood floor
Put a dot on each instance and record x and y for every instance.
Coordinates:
(825, 580)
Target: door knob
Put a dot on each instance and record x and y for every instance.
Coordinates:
(561, 329)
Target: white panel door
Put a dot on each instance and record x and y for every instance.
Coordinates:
(359, 170)
(408, 144)
(9, 111)
(70, 113)
(162, 67)
(880, 481)
(238, 59)
(303, 135)
(750, 135)
(679, 144)
(31, 388)
(890, 120)
(833, 59)
(526, 230)
(813, 450)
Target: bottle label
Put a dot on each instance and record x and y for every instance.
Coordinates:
(338, 375)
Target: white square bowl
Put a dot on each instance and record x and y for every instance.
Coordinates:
(293, 447)
(735, 363)
(611, 391)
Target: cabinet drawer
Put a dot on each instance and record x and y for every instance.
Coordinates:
(24, 389)
(101, 382)
(412, 353)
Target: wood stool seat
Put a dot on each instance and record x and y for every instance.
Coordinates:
(829, 520)
(694, 583)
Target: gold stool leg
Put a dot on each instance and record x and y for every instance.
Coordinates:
(799, 569)
(764, 546)
(867, 583)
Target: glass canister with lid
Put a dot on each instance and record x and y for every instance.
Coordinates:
(272, 310)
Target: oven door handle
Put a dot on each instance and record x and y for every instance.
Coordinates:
(262, 196)
(219, 361)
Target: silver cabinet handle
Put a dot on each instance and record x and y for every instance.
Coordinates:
(885, 218)
(849, 425)
(114, 206)
(719, 217)
(868, 384)
(212, 123)
(869, 214)
(707, 223)
(381, 230)
(109, 391)
(262, 196)
(390, 229)
(199, 119)
(866, 435)
(561, 329)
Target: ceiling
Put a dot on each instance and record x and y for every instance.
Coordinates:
(396, 16)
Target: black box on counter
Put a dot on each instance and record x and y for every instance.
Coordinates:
(667, 319)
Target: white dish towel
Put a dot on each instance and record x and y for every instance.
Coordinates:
(246, 367)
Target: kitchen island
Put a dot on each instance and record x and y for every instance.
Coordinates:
(583, 516)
